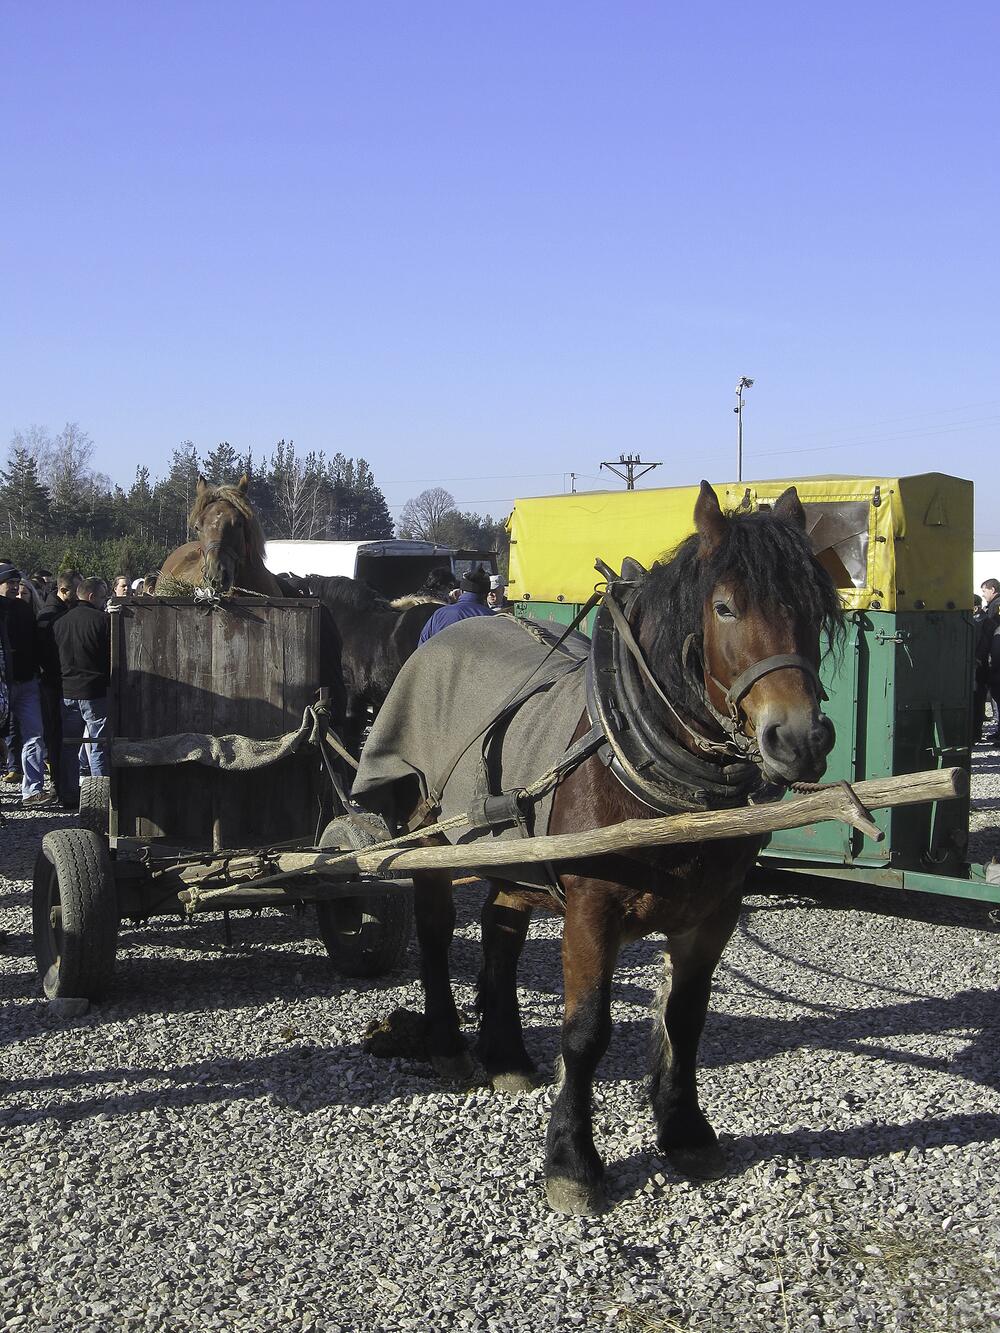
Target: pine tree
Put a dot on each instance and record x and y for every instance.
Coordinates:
(223, 466)
(25, 504)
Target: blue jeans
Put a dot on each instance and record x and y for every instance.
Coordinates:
(26, 711)
(82, 717)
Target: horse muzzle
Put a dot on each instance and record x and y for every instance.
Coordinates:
(794, 749)
(220, 568)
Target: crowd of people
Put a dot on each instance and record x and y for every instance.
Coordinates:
(55, 664)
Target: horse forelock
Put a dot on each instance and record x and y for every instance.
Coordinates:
(769, 560)
(236, 499)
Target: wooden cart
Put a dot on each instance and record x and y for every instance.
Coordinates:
(221, 675)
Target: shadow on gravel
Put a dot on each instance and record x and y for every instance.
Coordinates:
(628, 1175)
(302, 1078)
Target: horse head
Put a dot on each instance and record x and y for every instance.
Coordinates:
(227, 530)
(766, 603)
(734, 624)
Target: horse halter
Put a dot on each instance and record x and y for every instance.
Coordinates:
(731, 722)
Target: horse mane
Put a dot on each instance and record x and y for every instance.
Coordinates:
(350, 594)
(770, 560)
(230, 495)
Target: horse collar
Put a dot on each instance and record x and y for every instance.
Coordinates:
(641, 752)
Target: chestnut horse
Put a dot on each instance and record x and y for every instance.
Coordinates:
(726, 637)
(229, 553)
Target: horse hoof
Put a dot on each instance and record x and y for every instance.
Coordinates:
(514, 1082)
(708, 1163)
(570, 1196)
(459, 1068)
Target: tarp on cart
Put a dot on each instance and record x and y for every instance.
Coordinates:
(891, 543)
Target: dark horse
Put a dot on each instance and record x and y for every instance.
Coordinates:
(229, 553)
(730, 629)
(376, 638)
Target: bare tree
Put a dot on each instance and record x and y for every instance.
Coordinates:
(297, 485)
(422, 516)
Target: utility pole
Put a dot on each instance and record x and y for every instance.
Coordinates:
(738, 409)
(630, 464)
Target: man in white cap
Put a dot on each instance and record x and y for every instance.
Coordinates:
(497, 595)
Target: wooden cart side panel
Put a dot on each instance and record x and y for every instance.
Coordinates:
(249, 671)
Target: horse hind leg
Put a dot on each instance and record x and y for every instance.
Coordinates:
(500, 1047)
(434, 913)
(684, 1135)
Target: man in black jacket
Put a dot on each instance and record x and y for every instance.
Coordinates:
(61, 598)
(25, 704)
(83, 638)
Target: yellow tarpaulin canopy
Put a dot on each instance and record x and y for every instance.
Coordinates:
(891, 543)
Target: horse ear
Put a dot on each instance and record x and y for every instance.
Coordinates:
(202, 485)
(788, 506)
(709, 520)
(243, 484)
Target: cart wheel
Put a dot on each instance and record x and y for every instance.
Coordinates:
(368, 935)
(95, 798)
(75, 911)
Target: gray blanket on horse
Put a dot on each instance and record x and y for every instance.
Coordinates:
(445, 697)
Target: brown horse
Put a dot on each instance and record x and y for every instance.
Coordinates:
(721, 677)
(229, 553)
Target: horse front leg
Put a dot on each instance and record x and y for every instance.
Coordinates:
(684, 1135)
(434, 913)
(500, 1047)
(574, 1172)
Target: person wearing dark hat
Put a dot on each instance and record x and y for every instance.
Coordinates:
(25, 701)
(475, 586)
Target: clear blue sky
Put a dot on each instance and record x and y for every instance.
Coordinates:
(485, 245)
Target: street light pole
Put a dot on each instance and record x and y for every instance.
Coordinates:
(738, 409)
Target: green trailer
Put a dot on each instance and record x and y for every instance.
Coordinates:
(900, 687)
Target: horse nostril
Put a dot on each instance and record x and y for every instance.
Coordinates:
(769, 737)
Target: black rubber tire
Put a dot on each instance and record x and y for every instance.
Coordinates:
(365, 936)
(75, 951)
(95, 803)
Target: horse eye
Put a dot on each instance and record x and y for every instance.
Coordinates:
(724, 611)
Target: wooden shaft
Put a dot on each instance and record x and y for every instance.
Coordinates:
(908, 789)
(831, 803)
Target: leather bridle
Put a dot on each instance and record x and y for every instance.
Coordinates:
(660, 763)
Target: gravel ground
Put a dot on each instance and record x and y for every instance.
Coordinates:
(211, 1148)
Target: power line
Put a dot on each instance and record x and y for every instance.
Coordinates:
(882, 439)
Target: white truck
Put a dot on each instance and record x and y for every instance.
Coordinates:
(392, 567)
